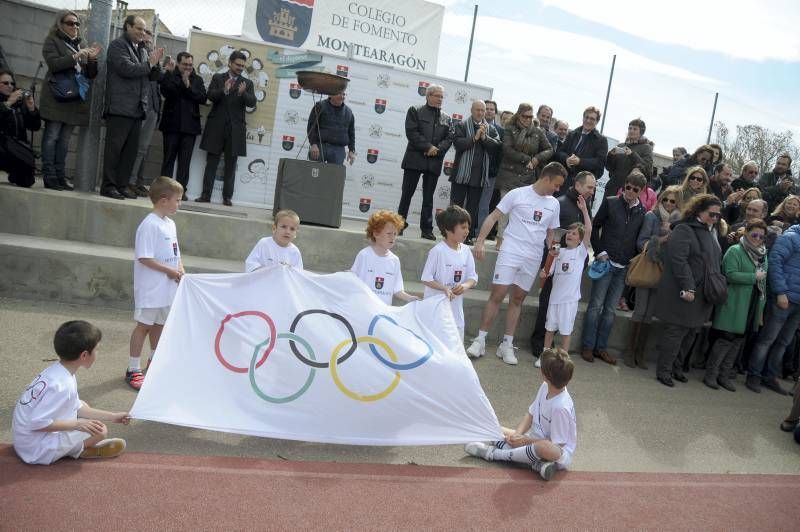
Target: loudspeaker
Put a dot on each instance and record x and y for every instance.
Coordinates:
(312, 189)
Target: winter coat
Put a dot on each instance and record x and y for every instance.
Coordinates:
(592, 154)
(181, 109)
(615, 228)
(741, 273)
(569, 212)
(784, 270)
(426, 126)
(619, 165)
(227, 116)
(332, 125)
(463, 143)
(128, 79)
(520, 146)
(690, 246)
(17, 121)
(58, 57)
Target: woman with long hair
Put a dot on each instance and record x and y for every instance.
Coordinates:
(787, 213)
(695, 182)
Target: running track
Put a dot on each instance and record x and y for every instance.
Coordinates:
(140, 491)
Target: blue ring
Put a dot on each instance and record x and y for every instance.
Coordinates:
(394, 365)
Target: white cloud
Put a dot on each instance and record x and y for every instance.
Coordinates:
(746, 29)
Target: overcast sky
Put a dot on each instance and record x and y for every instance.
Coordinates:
(672, 56)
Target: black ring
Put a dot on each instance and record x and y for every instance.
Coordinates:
(314, 363)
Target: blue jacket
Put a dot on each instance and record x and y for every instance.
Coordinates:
(784, 265)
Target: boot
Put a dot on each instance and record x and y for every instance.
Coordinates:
(644, 332)
(633, 344)
(52, 183)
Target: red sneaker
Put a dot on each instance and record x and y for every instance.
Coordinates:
(134, 378)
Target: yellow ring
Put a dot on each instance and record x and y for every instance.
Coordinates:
(357, 396)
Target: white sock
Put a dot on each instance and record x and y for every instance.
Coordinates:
(482, 336)
(152, 352)
(134, 363)
(507, 339)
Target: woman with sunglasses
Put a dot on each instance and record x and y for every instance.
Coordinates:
(18, 115)
(65, 55)
(695, 182)
(654, 232)
(745, 266)
(681, 305)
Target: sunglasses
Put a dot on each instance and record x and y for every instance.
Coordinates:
(73, 23)
(527, 117)
(714, 214)
(635, 189)
(697, 178)
(667, 200)
(757, 236)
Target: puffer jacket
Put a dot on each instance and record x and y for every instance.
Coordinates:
(784, 265)
(520, 145)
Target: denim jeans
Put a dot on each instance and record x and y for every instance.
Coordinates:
(331, 153)
(777, 333)
(603, 300)
(483, 205)
(55, 144)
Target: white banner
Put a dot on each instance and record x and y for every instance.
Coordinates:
(295, 355)
(396, 34)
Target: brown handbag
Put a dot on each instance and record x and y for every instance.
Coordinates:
(643, 272)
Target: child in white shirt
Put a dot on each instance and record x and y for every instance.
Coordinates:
(157, 271)
(278, 248)
(547, 436)
(567, 272)
(376, 265)
(50, 421)
(450, 267)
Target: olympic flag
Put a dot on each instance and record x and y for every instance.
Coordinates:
(296, 355)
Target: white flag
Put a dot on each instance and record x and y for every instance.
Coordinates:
(295, 355)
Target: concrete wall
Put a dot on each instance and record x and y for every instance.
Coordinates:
(23, 28)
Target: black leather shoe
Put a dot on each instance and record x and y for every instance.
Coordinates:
(711, 383)
(52, 184)
(666, 381)
(680, 377)
(774, 385)
(129, 193)
(113, 194)
(427, 235)
(64, 184)
(203, 199)
(227, 202)
(141, 191)
(405, 226)
(727, 384)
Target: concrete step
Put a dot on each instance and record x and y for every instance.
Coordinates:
(40, 268)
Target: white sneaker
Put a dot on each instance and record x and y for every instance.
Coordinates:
(477, 349)
(545, 469)
(479, 450)
(506, 352)
(538, 363)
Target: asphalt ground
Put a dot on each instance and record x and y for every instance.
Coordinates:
(627, 421)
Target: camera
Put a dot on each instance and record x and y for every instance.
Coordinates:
(26, 94)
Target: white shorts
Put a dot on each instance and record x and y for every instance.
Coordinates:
(561, 317)
(56, 445)
(516, 270)
(151, 316)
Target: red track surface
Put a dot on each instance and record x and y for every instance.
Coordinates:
(152, 491)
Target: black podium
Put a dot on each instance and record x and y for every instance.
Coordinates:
(313, 190)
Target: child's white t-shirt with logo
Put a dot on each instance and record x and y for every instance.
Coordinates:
(555, 420)
(156, 238)
(381, 274)
(567, 270)
(449, 267)
(268, 253)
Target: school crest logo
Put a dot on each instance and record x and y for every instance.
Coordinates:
(383, 81)
(364, 204)
(378, 283)
(284, 22)
(448, 168)
(380, 106)
(457, 276)
(565, 267)
(537, 216)
(367, 181)
(372, 155)
(33, 392)
(342, 70)
(423, 86)
(375, 131)
(294, 90)
(288, 142)
(456, 118)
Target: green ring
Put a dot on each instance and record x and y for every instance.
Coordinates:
(298, 393)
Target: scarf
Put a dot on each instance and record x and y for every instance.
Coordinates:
(756, 255)
(465, 163)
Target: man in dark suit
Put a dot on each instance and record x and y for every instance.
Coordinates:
(183, 92)
(130, 71)
(429, 137)
(584, 149)
(225, 130)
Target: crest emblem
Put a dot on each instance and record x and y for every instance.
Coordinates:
(537, 216)
(342, 70)
(315, 172)
(364, 204)
(372, 155)
(457, 276)
(380, 106)
(288, 142)
(284, 22)
(456, 118)
(367, 181)
(423, 86)
(448, 168)
(294, 90)
(565, 267)
(378, 283)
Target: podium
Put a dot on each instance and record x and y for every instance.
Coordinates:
(312, 189)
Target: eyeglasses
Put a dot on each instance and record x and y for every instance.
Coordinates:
(757, 236)
(527, 117)
(9, 83)
(697, 178)
(73, 23)
(714, 215)
(629, 187)
(668, 200)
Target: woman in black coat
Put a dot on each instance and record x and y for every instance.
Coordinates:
(18, 115)
(680, 302)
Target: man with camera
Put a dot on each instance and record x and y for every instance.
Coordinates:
(18, 115)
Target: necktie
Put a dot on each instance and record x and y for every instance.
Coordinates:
(580, 142)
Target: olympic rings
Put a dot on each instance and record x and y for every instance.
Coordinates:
(298, 393)
(321, 365)
(221, 329)
(394, 365)
(310, 359)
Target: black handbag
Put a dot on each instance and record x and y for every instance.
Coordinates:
(64, 86)
(715, 284)
(19, 150)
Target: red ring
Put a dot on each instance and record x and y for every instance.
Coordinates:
(267, 351)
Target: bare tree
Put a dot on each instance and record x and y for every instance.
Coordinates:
(756, 143)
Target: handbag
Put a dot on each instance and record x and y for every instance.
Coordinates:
(19, 150)
(64, 86)
(715, 284)
(643, 272)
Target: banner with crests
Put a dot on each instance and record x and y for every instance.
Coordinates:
(295, 355)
